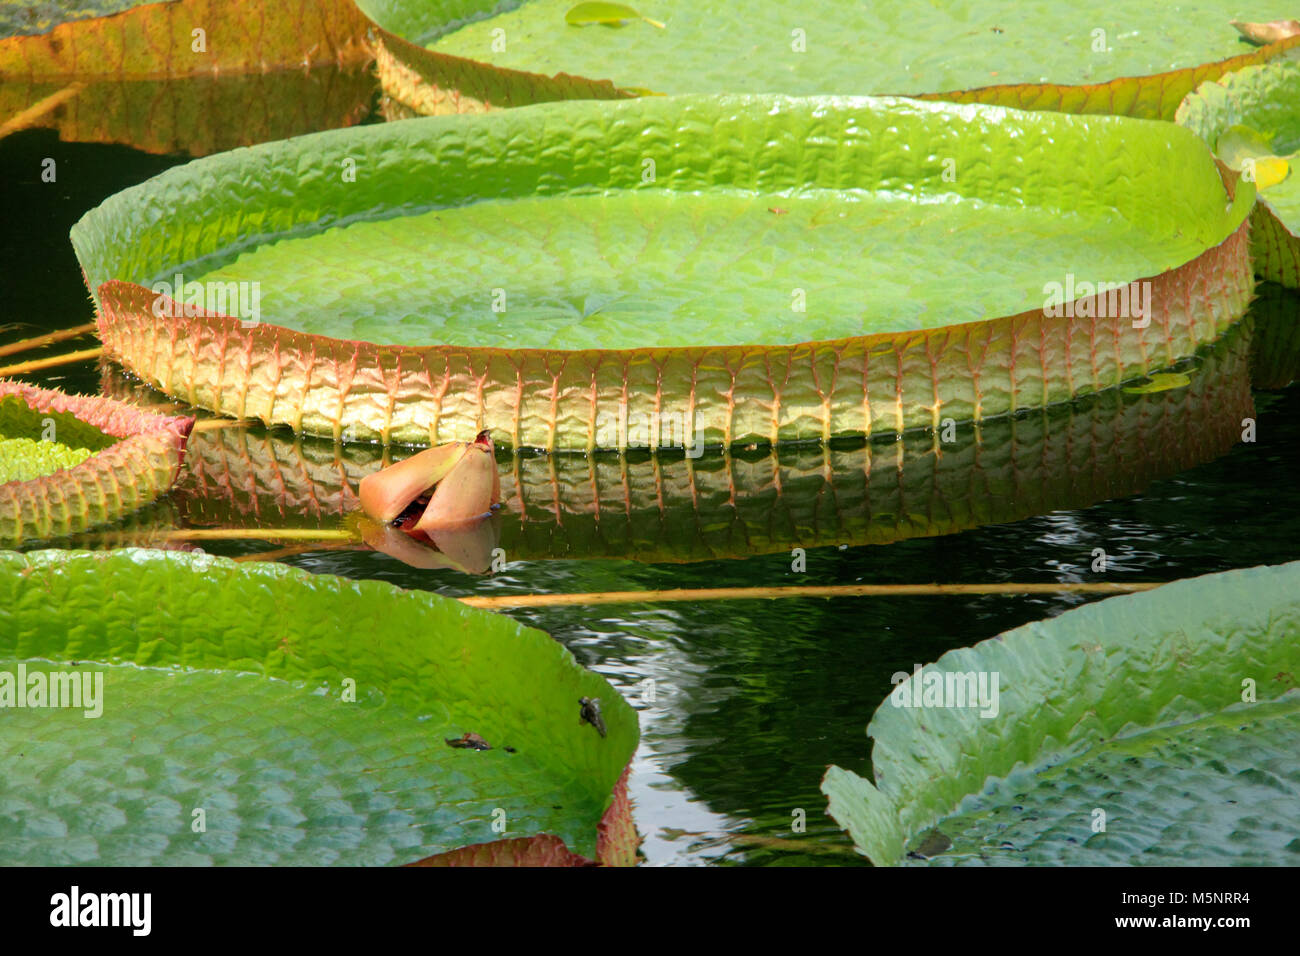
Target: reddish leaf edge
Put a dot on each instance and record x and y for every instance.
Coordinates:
(616, 843)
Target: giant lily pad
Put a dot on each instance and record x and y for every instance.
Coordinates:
(733, 269)
(68, 462)
(307, 717)
(184, 76)
(1133, 57)
(1260, 104)
(666, 508)
(1150, 728)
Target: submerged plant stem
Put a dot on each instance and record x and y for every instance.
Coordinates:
(49, 339)
(35, 365)
(808, 591)
(269, 534)
(37, 111)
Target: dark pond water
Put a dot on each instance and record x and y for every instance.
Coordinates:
(752, 699)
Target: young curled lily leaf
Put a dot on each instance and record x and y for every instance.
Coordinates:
(605, 14)
(461, 475)
(387, 493)
(468, 492)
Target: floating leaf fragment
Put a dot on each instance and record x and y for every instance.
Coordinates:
(1160, 382)
(1251, 153)
(606, 15)
(1262, 34)
(1238, 143)
(1267, 171)
(934, 843)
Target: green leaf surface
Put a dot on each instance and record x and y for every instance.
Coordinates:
(590, 272)
(223, 690)
(19, 420)
(1136, 706)
(35, 443)
(22, 459)
(1265, 101)
(686, 223)
(828, 46)
(706, 254)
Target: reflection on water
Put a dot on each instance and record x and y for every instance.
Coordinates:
(752, 699)
(662, 509)
(197, 115)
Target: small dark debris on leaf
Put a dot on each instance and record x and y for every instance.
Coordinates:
(590, 713)
(510, 750)
(935, 842)
(470, 741)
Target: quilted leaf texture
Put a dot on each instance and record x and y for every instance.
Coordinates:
(672, 508)
(1265, 99)
(1150, 728)
(793, 269)
(119, 477)
(306, 716)
(1136, 58)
